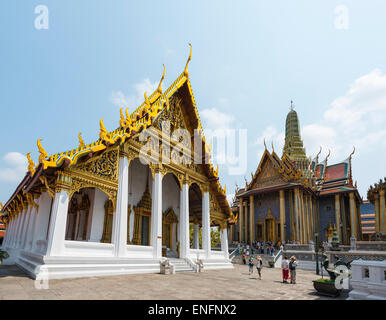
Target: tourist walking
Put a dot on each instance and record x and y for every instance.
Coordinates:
(244, 258)
(285, 269)
(292, 267)
(250, 264)
(259, 266)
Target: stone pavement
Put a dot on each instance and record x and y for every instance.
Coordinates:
(214, 284)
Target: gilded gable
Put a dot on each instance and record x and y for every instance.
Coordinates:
(268, 175)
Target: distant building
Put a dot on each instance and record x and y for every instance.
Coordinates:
(367, 219)
(293, 197)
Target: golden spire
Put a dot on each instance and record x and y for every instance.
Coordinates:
(186, 73)
(81, 142)
(159, 90)
(43, 153)
(31, 164)
(122, 121)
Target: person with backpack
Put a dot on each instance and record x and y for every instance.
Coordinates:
(292, 267)
(250, 264)
(259, 266)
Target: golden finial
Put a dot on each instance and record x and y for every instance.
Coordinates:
(186, 73)
(1, 206)
(159, 90)
(273, 149)
(217, 171)
(31, 164)
(265, 145)
(81, 142)
(225, 189)
(317, 156)
(122, 121)
(43, 153)
(103, 131)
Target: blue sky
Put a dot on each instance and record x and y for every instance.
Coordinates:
(250, 58)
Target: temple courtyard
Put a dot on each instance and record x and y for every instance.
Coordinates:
(208, 285)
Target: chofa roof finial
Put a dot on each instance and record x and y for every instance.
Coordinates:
(351, 154)
(159, 90)
(43, 153)
(186, 73)
(265, 145)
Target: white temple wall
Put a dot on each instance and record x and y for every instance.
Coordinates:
(97, 216)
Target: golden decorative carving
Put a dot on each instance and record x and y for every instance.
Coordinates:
(43, 153)
(143, 208)
(108, 222)
(186, 73)
(31, 164)
(81, 142)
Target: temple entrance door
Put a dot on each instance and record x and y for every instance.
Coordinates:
(166, 238)
(269, 226)
(145, 234)
(269, 230)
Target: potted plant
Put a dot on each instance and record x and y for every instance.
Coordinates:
(3, 255)
(326, 287)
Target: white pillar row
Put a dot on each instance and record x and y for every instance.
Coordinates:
(57, 227)
(19, 224)
(196, 236)
(119, 235)
(224, 242)
(206, 244)
(42, 220)
(156, 216)
(184, 222)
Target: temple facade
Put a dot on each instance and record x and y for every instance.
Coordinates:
(377, 196)
(292, 197)
(124, 203)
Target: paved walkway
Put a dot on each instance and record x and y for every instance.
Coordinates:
(216, 284)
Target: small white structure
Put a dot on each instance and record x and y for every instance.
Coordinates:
(368, 280)
(123, 203)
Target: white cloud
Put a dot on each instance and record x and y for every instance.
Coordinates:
(134, 100)
(15, 169)
(217, 120)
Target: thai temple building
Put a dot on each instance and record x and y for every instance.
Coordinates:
(292, 197)
(123, 203)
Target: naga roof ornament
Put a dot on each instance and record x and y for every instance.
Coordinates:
(81, 142)
(31, 164)
(43, 153)
(159, 90)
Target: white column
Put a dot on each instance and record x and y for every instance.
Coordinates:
(184, 222)
(206, 244)
(119, 236)
(156, 216)
(30, 229)
(10, 242)
(224, 242)
(196, 236)
(97, 216)
(42, 220)
(14, 235)
(26, 227)
(21, 228)
(57, 228)
(8, 233)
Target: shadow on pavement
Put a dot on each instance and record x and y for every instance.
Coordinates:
(12, 271)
